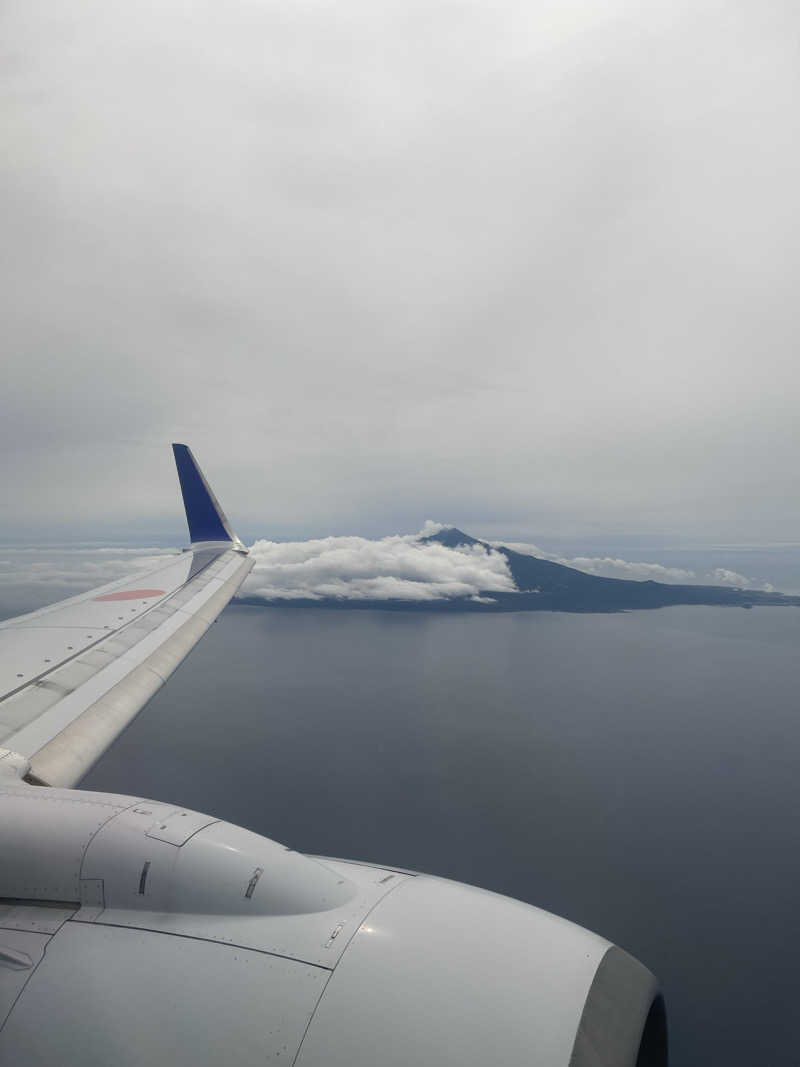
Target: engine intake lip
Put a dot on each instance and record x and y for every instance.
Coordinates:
(624, 1022)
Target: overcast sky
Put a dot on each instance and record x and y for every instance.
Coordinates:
(525, 267)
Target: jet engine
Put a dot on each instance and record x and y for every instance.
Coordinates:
(134, 932)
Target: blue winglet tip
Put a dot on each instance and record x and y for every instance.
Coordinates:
(205, 517)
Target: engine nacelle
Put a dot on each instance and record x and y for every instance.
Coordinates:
(133, 931)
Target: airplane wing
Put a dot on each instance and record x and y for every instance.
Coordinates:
(75, 674)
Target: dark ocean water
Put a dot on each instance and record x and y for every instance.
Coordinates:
(636, 773)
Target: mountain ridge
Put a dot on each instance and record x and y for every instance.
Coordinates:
(560, 582)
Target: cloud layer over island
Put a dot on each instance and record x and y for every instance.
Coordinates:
(398, 567)
(391, 568)
(407, 567)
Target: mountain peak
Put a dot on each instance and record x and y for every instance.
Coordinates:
(451, 537)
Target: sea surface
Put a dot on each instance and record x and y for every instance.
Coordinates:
(636, 773)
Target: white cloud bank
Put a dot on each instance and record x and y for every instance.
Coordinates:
(723, 576)
(611, 567)
(75, 568)
(392, 568)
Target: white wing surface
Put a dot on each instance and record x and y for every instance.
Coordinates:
(74, 675)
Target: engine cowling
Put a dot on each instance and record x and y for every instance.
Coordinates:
(133, 931)
(441, 972)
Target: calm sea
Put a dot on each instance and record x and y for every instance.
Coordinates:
(636, 773)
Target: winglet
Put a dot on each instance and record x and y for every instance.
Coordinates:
(205, 517)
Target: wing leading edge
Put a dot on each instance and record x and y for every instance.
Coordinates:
(74, 675)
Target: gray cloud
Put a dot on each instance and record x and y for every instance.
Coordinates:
(522, 264)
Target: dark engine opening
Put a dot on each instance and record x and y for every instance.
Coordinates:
(653, 1046)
